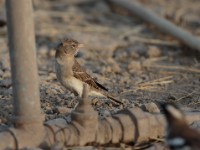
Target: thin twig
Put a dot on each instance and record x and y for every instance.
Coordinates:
(155, 83)
(181, 68)
(149, 85)
(159, 79)
(154, 41)
(189, 94)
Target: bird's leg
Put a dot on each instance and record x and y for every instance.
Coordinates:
(74, 101)
(95, 101)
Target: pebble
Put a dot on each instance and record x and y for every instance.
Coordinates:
(51, 76)
(49, 110)
(132, 105)
(95, 101)
(154, 51)
(120, 55)
(57, 121)
(52, 52)
(7, 92)
(5, 83)
(121, 107)
(43, 50)
(134, 55)
(134, 66)
(62, 110)
(6, 74)
(50, 116)
(151, 107)
(139, 49)
(105, 113)
(51, 91)
(68, 118)
(114, 65)
(5, 62)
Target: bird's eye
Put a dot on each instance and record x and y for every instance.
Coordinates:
(73, 46)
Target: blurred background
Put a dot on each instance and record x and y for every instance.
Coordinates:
(129, 56)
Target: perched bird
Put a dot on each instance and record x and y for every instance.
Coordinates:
(179, 135)
(72, 76)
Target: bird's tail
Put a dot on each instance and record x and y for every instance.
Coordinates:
(114, 99)
(106, 94)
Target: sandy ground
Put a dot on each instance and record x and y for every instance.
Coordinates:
(130, 57)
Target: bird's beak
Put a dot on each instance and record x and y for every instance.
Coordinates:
(80, 45)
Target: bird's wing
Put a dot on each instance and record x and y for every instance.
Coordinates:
(82, 75)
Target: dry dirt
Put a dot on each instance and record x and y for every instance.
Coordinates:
(130, 57)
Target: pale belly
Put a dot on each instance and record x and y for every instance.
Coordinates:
(71, 83)
(74, 84)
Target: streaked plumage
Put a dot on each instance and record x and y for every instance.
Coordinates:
(72, 76)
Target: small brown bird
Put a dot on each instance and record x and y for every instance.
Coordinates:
(72, 76)
(179, 135)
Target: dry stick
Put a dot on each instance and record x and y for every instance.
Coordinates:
(186, 69)
(189, 94)
(164, 25)
(153, 86)
(153, 83)
(152, 60)
(157, 80)
(154, 41)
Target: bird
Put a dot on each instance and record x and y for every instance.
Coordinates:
(72, 75)
(179, 136)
